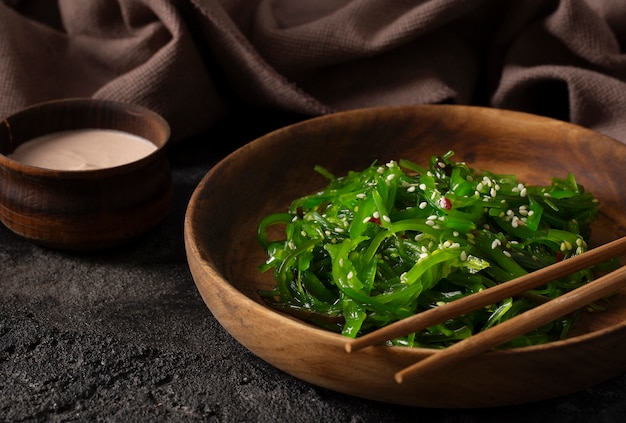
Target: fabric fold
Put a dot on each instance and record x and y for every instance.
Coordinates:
(194, 60)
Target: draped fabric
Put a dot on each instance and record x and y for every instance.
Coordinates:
(193, 60)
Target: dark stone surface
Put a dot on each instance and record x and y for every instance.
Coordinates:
(124, 336)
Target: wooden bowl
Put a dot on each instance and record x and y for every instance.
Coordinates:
(265, 175)
(84, 209)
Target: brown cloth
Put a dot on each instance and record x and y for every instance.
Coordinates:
(193, 60)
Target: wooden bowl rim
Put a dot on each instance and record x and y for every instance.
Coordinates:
(148, 114)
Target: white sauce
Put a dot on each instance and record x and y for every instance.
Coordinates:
(83, 149)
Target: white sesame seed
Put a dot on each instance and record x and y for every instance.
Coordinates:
(422, 187)
(391, 176)
(463, 256)
(423, 205)
(360, 196)
(339, 230)
(506, 253)
(495, 244)
(386, 218)
(350, 274)
(523, 192)
(376, 215)
(367, 219)
(411, 188)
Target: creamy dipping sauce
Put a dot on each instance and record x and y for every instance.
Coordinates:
(83, 149)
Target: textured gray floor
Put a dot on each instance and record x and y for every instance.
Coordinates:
(124, 336)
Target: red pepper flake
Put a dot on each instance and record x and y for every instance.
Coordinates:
(445, 203)
(375, 220)
(559, 256)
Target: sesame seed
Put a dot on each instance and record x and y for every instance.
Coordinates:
(411, 188)
(376, 215)
(367, 219)
(350, 274)
(523, 192)
(391, 176)
(430, 222)
(386, 218)
(422, 187)
(495, 244)
(463, 256)
(506, 253)
(303, 233)
(423, 205)
(360, 196)
(340, 230)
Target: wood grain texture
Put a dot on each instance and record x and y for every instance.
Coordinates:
(265, 175)
(84, 210)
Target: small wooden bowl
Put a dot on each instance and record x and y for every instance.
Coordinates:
(267, 174)
(84, 209)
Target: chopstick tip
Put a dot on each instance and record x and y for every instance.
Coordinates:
(398, 378)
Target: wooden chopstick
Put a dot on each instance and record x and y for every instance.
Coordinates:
(489, 296)
(518, 325)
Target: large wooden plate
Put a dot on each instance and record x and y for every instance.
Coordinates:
(265, 175)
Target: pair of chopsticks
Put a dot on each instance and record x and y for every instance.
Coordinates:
(510, 329)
